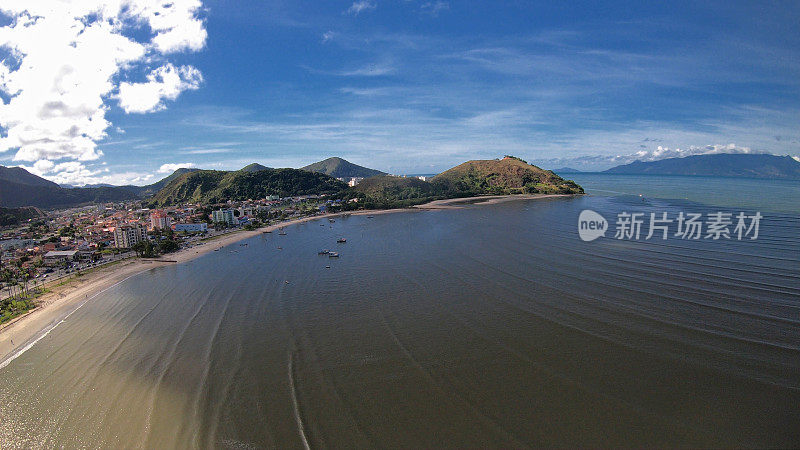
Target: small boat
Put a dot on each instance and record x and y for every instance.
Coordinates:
(341, 240)
(216, 249)
(323, 252)
(327, 267)
(280, 248)
(370, 217)
(267, 231)
(333, 255)
(282, 233)
(331, 220)
(322, 224)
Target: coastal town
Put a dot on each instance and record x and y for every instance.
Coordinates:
(66, 243)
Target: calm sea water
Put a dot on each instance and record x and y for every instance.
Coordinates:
(750, 193)
(488, 326)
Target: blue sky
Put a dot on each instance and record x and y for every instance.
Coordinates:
(411, 86)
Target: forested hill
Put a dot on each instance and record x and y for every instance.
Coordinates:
(214, 186)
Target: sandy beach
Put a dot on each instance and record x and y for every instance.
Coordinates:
(69, 295)
(454, 203)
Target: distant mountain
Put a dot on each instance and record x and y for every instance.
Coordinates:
(509, 175)
(723, 164)
(253, 167)
(214, 186)
(340, 168)
(19, 175)
(567, 170)
(21, 188)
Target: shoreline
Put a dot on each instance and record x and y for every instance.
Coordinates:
(65, 298)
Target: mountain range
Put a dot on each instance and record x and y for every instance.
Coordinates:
(721, 165)
(18, 187)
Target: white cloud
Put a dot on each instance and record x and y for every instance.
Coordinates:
(164, 83)
(360, 6)
(370, 70)
(65, 59)
(76, 173)
(169, 168)
(434, 8)
(666, 152)
(328, 36)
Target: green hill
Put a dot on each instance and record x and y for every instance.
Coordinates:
(509, 175)
(213, 186)
(254, 167)
(388, 191)
(482, 177)
(340, 168)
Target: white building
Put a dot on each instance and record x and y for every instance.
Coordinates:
(224, 216)
(128, 235)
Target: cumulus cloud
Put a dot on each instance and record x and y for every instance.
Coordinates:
(169, 168)
(164, 83)
(76, 173)
(360, 6)
(666, 152)
(63, 62)
(328, 36)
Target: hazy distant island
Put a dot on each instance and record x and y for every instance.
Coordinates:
(722, 165)
(567, 170)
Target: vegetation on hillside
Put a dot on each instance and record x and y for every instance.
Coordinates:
(212, 186)
(510, 175)
(13, 216)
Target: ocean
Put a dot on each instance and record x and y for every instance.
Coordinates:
(493, 325)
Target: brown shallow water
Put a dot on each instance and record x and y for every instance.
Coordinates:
(489, 326)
